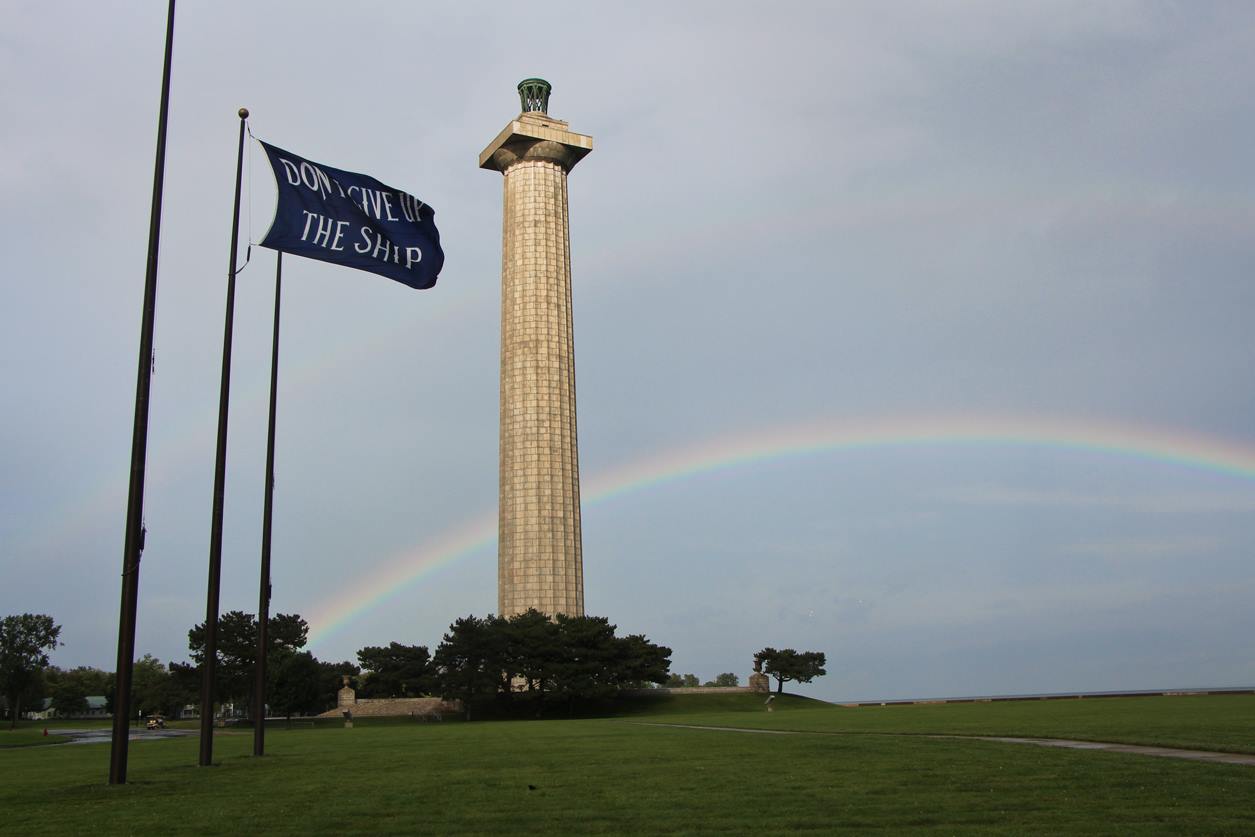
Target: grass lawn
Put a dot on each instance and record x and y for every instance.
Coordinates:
(670, 704)
(27, 736)
(1203, 722)
(610, 775)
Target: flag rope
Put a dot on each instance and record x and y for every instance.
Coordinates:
(250, 188)
(248, 250)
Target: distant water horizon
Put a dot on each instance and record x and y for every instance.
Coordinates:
(1193, 690)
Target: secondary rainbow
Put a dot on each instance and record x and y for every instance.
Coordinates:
(1229, 457)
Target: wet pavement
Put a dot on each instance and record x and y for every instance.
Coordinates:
(100, 735)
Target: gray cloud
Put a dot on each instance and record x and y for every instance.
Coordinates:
(826, 211)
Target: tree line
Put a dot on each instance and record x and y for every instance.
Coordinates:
(787, 664)
(784, 664)
(529, 663)
(526, 663)
(690, 681)
(297, 682)
(522, 665)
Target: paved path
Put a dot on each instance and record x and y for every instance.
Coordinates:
(1138, 749)
(1062, 743)
(730, 729)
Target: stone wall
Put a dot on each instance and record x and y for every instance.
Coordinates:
(691, 690)
(397, 708)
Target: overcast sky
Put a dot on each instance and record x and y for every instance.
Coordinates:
(1020, 232)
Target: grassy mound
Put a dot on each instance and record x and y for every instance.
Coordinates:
(679, 702)
(1204, 722)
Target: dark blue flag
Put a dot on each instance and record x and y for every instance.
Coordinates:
(354, 220)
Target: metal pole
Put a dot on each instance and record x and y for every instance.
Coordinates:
(215, 534)
(263, 596)
(134, 542)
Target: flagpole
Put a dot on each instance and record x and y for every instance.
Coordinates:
(134, 541)
(263, 596)
(210, 657)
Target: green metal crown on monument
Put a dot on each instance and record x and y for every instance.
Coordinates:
(534, 95)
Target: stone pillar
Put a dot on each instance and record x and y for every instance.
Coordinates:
(346, 698)
(759, 682)
(539, 552)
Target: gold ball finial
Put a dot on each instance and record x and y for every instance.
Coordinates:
(243, 113)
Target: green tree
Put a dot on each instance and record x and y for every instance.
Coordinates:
(154, 690)
(25, 641)
(234, 675)
(68, 693)
(533, 649)
(295, 686)
(725, 679)
(110, 692)
(32, 699)
(682, 681)
(86, 680)
(396, 670)
(331, 680)
(587, 669)
(185, 685)
(470, 660)
(787, 664)
(95, 683)
(530, 661)
(237, 644)
(286, 632)
(640, 662)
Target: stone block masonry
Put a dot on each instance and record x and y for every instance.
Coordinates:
(424, 708)
(540, 550)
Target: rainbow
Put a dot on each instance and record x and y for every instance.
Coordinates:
(174, 449)
(1232, 458)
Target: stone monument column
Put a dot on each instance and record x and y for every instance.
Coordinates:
(346, 698)
(539, 552)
